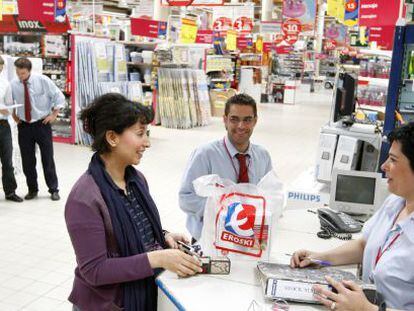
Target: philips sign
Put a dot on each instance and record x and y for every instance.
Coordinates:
(301, 196)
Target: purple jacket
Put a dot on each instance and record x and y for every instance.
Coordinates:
(100, 270)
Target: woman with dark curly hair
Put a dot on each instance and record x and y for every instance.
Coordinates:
(112, 220)
(386, 249)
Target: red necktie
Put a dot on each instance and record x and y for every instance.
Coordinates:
(243, 170)
(27, 106)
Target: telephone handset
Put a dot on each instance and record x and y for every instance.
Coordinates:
(337, 224)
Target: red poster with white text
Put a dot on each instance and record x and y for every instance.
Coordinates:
(378, 12)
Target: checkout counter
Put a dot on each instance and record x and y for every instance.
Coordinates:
(296, 229)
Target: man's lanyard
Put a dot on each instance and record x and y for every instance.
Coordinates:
(231, 159)
(380, 251)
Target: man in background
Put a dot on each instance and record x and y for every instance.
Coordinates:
(41, 101)
(233, 157)
(6, 145)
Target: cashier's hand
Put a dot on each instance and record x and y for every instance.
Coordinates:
(172, 238)
(350, 296)
(175, 261)
(300, 258)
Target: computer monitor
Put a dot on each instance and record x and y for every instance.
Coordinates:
(355, 192)
(345, 96)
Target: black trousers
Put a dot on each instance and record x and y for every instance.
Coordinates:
(31, 134)
(6, 157)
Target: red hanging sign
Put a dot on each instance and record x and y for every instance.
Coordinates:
(330, 45)
(383, 35)
(41, 10)
(243, 24)
(292, 26)
(222, 23)
(145, 27)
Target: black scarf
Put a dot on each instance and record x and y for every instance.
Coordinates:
(140, 295)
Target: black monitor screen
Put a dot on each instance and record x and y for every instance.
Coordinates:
(355, 189)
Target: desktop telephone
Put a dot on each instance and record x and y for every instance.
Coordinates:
(337, 224)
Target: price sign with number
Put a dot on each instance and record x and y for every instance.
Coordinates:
(351, 6)
(222, 23)
(243, 23)
(292, 26)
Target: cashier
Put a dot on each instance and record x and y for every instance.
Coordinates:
(386, 247)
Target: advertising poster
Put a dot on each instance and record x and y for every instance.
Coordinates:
(337, 32)
(351, 12)
(302, 10)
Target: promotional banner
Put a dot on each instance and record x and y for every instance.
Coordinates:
(336, 9)
(1, 10)
(378, 12)
(148, 28)
(351, 12)
(301, 10)
(43, 10)
(191, 2)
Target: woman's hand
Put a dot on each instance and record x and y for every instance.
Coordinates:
(172, 238)
(350, 297)
(175, 261)
(301, 258)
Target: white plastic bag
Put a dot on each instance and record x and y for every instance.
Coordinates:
(239, 218)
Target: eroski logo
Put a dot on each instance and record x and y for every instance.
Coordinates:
(239, 224)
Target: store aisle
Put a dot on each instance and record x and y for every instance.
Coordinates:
(36, 256)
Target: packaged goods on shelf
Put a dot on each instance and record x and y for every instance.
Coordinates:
(183, 100)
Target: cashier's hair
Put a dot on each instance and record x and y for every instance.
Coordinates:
(112, 112)
(1, 60)
(23, 63)
(240, 99)
(405, 136)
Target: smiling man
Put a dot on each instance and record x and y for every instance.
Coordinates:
(232, 157)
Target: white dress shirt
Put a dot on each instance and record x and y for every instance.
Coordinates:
(44, 97)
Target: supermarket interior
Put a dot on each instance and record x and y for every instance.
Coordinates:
(206, 155)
